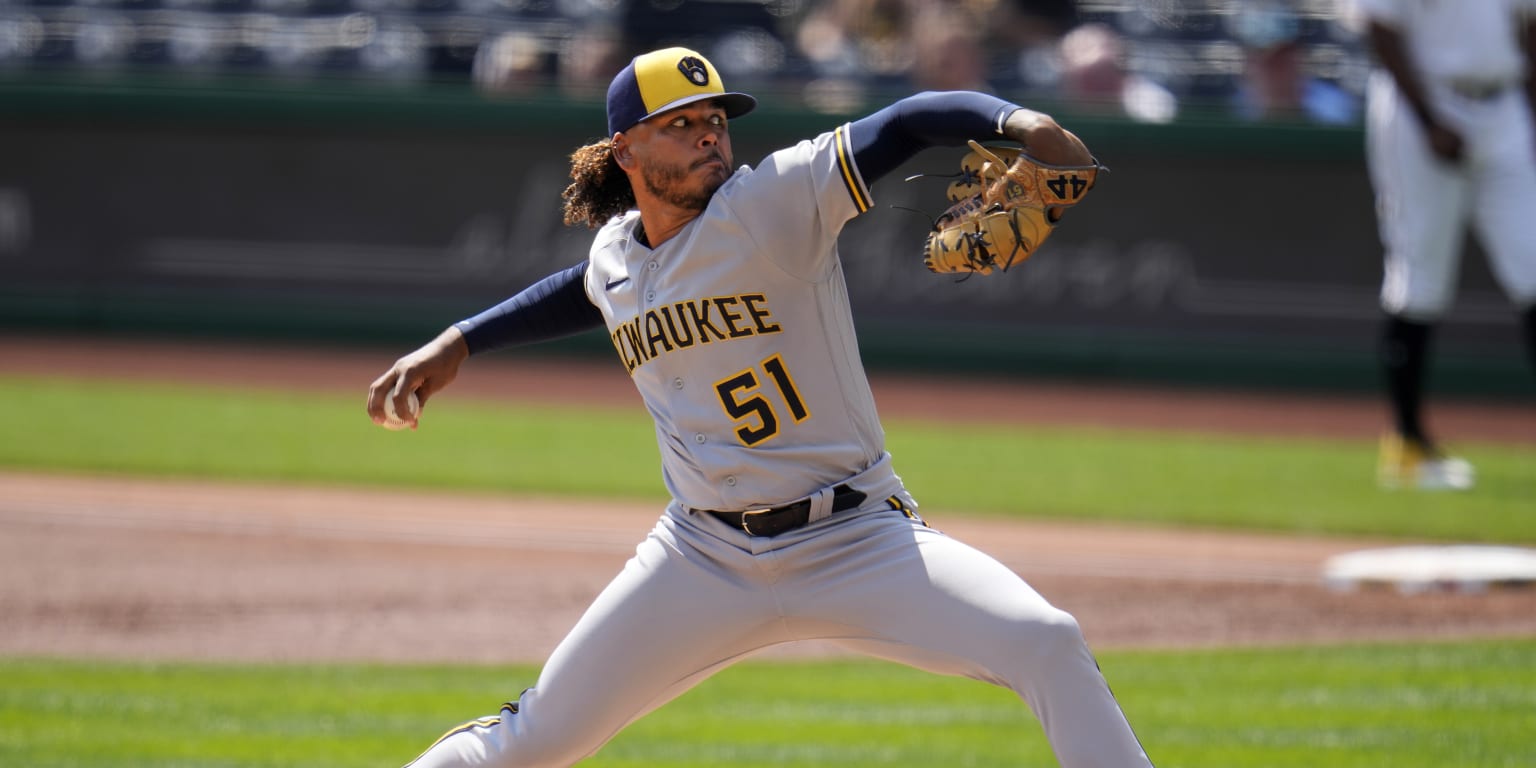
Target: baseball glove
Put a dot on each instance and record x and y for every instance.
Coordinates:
(1004, 205)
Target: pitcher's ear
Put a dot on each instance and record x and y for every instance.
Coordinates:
(623, 153)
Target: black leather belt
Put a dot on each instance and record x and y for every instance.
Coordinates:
(772, 521)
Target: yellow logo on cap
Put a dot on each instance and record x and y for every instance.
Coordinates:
(659, 86)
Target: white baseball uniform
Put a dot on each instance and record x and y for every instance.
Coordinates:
(738, 335)
(1468, 55)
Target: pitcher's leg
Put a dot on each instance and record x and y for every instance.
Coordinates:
(914, 595)
(666, 622)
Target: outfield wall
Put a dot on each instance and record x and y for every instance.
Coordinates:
(1212, 252)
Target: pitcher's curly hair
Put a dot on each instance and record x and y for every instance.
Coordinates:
(599, 189)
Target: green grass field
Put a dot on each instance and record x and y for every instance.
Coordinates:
(1430, 706)
(1400, 705)
(1225, 481)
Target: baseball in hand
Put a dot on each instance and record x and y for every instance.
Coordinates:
(392, 419)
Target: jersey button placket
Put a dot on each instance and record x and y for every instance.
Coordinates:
(650, 295)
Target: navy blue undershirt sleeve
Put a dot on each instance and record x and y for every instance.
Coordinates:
(558, 305)
(886, 139)
(549, 309)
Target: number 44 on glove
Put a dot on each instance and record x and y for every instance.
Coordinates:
(1004, 205)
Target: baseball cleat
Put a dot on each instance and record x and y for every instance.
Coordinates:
(1404, 463)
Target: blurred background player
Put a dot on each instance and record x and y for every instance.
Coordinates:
(1276, 83)
(1450, 143)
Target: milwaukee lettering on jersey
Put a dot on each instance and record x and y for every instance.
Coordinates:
(694, 321)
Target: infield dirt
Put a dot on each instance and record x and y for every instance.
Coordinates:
(131, 568)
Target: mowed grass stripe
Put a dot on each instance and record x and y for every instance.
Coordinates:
(1442, 705)
(1226, 481)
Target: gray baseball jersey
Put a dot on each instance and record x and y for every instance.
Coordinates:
(744, 351)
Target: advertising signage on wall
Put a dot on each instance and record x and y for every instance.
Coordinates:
(1183, 250)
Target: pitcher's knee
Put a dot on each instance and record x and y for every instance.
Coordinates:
(1044, 654)
(1052, 634)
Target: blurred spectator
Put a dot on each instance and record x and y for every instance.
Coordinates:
(851, 46)
(1024, 38)
(948, 52)
(1276, 84)
(395, 51)
(511, 62)
(858, 38)
(1094, 76)
(742, 37)
(590, 56)
(1015, 25)
(1141, 59)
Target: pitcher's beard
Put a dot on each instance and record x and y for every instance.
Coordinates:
(670, 183)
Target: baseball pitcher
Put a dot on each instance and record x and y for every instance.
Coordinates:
(722, 292)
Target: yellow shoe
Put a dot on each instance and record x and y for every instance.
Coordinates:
(1410, 464)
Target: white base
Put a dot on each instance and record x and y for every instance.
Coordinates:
(1464, 567)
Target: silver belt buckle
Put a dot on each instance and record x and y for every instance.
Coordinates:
(746, 518)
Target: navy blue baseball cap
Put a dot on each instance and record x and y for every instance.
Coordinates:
(666, 79)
